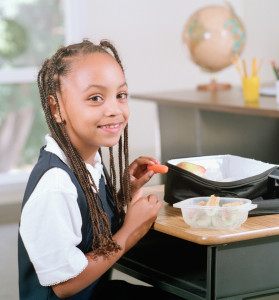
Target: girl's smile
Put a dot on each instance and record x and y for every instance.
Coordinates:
(93, 103)
(111, 127)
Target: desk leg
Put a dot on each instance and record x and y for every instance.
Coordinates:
(210, 273)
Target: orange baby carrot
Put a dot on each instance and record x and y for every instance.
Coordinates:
(157, 168)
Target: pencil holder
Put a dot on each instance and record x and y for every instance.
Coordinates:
(251, 87)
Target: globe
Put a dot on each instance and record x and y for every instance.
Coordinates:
(214, 35)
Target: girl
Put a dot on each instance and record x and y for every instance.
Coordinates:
(73, 224)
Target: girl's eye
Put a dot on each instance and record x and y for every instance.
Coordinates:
(122, 96)
(96, 98)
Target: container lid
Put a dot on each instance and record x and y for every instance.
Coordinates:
(195, 203)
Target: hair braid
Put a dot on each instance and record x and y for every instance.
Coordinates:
(107, 44)
(112, 170)
(49, 83)
(120, 160)
(127, 174)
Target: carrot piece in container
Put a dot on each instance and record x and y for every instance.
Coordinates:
(157, 168)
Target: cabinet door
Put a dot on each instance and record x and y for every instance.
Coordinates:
(248, 267)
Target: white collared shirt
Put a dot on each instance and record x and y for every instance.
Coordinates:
(51, 222)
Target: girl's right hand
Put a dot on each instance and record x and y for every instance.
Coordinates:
(141, 214)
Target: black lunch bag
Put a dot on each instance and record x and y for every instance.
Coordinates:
(259, 181)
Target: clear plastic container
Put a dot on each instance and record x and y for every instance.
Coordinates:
(215, 217)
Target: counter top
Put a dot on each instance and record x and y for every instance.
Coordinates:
(170, 221)
(230, 101)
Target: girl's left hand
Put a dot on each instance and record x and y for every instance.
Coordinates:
(139, 174)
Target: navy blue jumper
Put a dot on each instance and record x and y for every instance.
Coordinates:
(29, 286)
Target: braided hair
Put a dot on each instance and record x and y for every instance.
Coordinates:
(48, 83)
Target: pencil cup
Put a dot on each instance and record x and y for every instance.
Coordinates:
(251, 87)
(277, 91)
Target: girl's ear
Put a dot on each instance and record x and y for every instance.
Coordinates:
(54, 108)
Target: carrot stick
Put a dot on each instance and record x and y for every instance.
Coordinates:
(157, 168)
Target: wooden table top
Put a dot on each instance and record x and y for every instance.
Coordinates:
(230, 101)
(170, 221)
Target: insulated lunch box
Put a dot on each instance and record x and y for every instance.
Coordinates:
(225, 176)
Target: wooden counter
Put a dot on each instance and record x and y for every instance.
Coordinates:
(230, 101)
(170, 221)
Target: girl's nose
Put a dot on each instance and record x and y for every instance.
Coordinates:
(112, 107)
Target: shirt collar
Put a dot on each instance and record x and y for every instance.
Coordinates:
(96, 169)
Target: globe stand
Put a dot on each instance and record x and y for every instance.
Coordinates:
(214, 86)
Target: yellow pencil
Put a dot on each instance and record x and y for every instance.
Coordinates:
(237, 65)
(244, 68)
(254, 69)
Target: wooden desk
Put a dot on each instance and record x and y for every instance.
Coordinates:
(230, 101)
(196, 123)
(170, 221)
(207, 264)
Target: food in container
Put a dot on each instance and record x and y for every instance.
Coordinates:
(212, 212)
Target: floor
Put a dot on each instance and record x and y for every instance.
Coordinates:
(8, 265)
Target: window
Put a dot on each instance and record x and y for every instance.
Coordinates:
(30, 31)
(27, 37)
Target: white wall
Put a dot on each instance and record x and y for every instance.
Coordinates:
(147, 34)
(262, 27)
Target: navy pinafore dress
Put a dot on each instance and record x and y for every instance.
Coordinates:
(29, 286)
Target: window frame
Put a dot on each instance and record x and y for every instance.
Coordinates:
(75, 28)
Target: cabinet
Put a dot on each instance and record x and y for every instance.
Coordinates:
(198, 123)
(231, 271)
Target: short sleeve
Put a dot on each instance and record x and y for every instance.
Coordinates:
(50, 228)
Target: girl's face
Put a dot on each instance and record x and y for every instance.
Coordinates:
(93, 103)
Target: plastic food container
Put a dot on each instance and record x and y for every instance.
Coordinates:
(215, 217)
